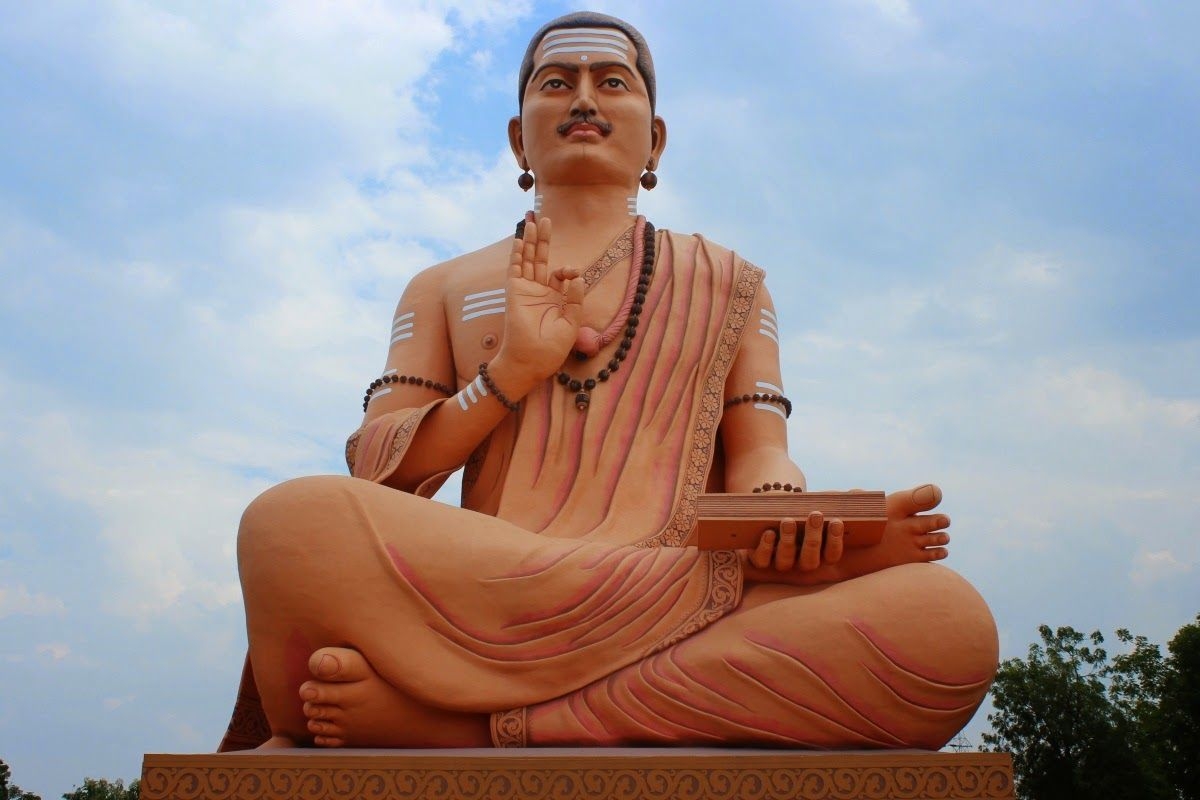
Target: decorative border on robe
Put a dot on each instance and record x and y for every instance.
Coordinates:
(724, 594)
(508, 728)
(708, 420)
(511, 728)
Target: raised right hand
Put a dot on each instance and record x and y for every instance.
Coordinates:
(543, 309)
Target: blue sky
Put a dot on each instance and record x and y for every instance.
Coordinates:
(978, 222)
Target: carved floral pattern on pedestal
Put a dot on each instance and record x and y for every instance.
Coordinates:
(327, 780)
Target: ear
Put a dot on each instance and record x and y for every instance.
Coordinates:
(517, 142)
(658, 141)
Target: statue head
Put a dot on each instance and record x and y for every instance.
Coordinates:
(594, 20)
(586, 95)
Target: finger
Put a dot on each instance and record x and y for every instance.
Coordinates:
(785, 554)
(541, 253)
(913, 501)
(515, 259)
(810, 551)
(834, 541)
(529, 250)
(761, 556)
(560, 276)
(573, 301)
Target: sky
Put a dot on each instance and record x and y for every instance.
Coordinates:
(978, 222)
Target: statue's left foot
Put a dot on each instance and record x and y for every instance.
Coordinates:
(349, 704)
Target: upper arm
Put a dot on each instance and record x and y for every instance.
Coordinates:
(420, 365)
(751, 424)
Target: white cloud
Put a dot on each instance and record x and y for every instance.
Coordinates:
(1155, 566)
(1091, 397)
(55, 651)
(18, 600)
(113, 703)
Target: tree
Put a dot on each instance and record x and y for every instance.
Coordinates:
(101, 789)
(10, 791)
(1081, 726)
(1178, 719)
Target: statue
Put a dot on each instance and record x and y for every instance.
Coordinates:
(593, 376)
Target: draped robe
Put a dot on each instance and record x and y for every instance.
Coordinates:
(625, 634)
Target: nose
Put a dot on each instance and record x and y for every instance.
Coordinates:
(584, 103)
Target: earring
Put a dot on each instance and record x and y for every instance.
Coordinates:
(649, 180)
(525, 181)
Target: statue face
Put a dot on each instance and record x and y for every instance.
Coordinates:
(586, 116)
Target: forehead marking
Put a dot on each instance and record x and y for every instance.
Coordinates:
(585, 40)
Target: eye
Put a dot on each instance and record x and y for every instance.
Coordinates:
(555, 83)
(613, 82)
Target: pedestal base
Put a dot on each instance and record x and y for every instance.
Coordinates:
(560, 773)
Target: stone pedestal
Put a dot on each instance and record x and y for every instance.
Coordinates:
(561, 773)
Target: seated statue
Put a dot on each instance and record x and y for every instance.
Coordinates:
(593, 376)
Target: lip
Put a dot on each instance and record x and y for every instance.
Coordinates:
(584, 130)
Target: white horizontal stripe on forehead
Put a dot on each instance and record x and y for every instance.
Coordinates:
(772, 409)
(609, 33)
(570, 39)
(587, 40)
(770, 387)
(591, 48)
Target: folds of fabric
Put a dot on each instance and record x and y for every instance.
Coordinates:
(463, 619)
(822, 669)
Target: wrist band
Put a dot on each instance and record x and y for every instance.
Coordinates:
(491, 387)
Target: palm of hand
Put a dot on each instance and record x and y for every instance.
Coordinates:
(543, 306)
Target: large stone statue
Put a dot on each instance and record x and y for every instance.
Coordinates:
(593, 377)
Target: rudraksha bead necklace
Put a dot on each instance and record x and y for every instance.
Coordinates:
(583, 387)
(409, 379)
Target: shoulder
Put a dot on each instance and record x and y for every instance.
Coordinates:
(472, 271)
(726, 266)
(701, 247)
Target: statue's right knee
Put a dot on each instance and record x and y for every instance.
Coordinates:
(289, 513)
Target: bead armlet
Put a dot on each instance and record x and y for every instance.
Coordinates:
(760, 397)
(408, 379)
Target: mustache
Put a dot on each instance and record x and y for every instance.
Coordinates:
(584, 119)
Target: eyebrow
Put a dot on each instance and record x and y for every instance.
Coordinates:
(569, 67)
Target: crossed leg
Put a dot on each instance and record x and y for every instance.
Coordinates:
(347, 702)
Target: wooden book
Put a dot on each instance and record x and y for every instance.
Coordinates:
(737, 521)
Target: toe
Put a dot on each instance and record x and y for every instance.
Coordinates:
(338, 664)
(913, 501)
(328, 741)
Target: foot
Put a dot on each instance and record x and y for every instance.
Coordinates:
(348, 704)
(910, 537)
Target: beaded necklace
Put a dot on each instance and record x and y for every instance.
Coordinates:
(627, 316)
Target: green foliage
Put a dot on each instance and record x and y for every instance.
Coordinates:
(10, 791)
(100, 789)
(1080, 725)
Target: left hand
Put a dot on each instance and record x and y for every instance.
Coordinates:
(819, 545)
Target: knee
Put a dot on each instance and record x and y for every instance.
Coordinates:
(292, 515)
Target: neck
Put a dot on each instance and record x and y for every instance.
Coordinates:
(583, 212)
